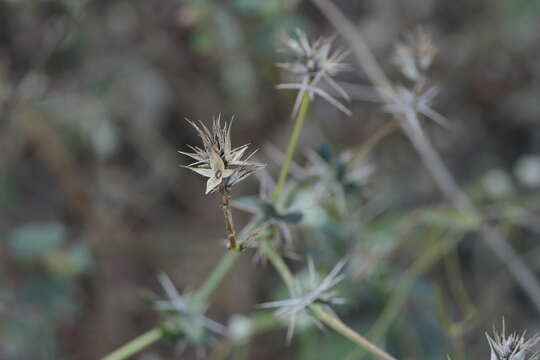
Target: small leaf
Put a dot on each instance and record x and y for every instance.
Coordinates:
(293, 217)
(31, 242)
(326, 152)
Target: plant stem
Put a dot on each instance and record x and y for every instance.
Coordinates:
(229, 224)
(279, 264)
(135, 345)
(349, 333)
(373, 140)
(219, 272)
(299, 121)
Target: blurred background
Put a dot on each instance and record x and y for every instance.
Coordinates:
(93, 204)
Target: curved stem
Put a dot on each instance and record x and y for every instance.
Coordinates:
(349, 333)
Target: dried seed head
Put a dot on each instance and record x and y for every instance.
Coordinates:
(192, 323)
(313, 291)
(313, 62)
(312, 58)
(415, 55)
(512, 347)
(217, 160)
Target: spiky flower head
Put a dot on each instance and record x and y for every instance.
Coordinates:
(415, 55)
(313, 62)
(217, 159)
(513, 346)
(192, 323)
(314, 291)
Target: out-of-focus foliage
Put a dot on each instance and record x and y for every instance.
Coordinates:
(93, 205)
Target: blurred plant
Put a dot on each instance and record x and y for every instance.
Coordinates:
(333, 175)
(187, 322)
(266, 215)
(407, 113)
(313, 62)
(29, 310)
(307, 293)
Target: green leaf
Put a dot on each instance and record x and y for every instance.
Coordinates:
(450, 218)
(30, 242)
(326, 152)
(293, 217)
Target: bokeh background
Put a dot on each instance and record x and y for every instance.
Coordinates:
(93, 204)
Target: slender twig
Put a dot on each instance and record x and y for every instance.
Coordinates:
(431, 159)
(278, 263)
(136, 345)
(373, 141)
(291, 147)
(225, 193)
(340, 327)
(215, 278)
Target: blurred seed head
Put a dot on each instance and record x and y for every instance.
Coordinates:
(415, 55)
(311, 58)
(192, 323)
(217, 160)
(513, 346)
(312, 63)
(267, 215)
(312, 291)
(334, 175)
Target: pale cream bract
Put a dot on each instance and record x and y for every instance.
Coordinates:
(217, 160)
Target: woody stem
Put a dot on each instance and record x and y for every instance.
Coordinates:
(229, 225)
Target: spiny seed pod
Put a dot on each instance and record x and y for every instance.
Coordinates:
(512, 347)
(312, 63)
(217, 160)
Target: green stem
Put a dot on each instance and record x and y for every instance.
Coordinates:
(135, 345)
(214, 279)
(349, 333)
(279, 264)
(299, 122)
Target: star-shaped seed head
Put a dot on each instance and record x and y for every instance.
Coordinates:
(314, 291)
(312, 63)
(312, 58)
(415, 55)
(512, 347)
(217, 160)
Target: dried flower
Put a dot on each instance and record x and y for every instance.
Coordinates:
(410, 102)
(313, 62)
(415, 55)
(316, 291)
(217, 160)
(512, 347)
